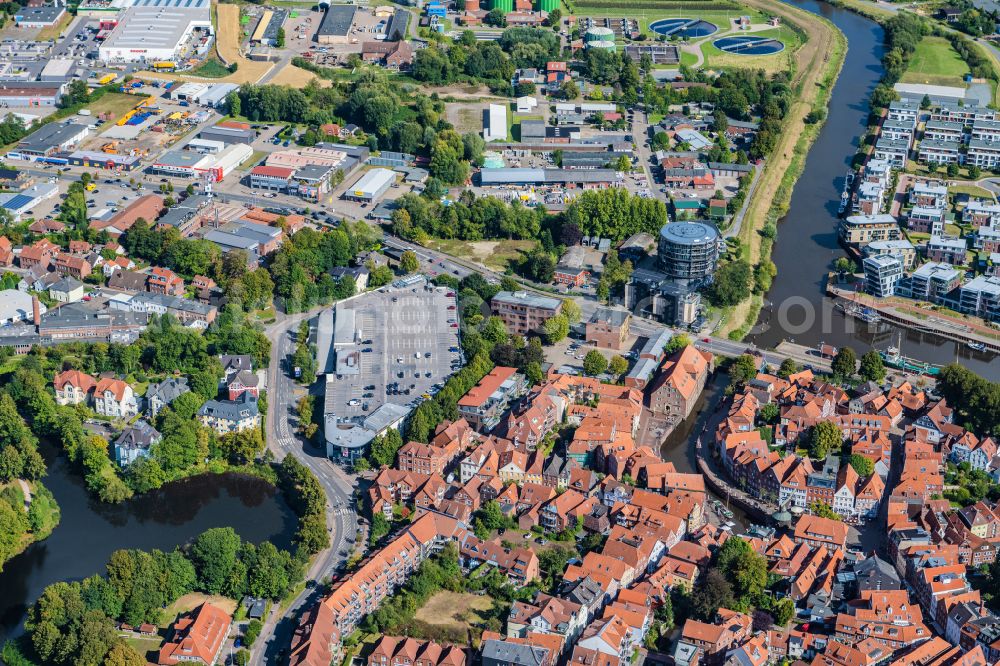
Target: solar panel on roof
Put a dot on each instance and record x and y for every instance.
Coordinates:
(17, 201)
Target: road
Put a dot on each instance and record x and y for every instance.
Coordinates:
(337, 484)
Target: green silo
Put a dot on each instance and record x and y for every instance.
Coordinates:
(506, 6)
(546, 5)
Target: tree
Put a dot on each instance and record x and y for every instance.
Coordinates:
(618, 365)
(712, 592)
(823, 510)
(788, 368)
(379, 528)
(213, 554)
(845, 363)
(769, 413)
(384, 447)
(676, 343)
(571, 309)
(594, 363)
(872, 368)
(732, 283)
(496, 18)
(742, 370)
(825, 439)
(409, 263)
(744, 569)
(555, 328)
(862, 465)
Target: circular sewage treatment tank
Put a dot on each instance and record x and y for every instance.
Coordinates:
(683, 27)
(749, 45)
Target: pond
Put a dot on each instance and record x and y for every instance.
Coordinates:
(89, 531)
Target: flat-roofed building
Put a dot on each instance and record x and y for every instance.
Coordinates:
(933, 280)
(228, 135)
(944, 130)
(584, 178)
(882, 273)
(150, 31)
(981, 297)
(983, 154)
(312, 155)
(863, 229)
(902, 248)
(523, 312)
(895, 152)
(947, 250)
(940, 151)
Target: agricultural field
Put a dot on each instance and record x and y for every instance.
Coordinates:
(935, 62)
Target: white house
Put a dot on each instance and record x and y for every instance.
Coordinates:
(114, 398)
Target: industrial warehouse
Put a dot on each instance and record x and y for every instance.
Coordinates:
(156, 30)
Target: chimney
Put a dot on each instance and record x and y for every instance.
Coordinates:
(36, 311)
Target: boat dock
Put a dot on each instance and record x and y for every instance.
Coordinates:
(909, 315)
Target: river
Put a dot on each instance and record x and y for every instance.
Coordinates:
(807, 245)
(90, 531)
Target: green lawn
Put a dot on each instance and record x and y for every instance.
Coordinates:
(212, 68)
(971, 190)
(936, 63)
(782, 61)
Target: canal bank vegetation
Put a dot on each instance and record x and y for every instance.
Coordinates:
(28, 512)
(78, 622)
(818, 65)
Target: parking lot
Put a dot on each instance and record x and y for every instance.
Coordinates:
(408, 343)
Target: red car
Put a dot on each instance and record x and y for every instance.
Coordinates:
(451, 307)
(454, 325)
(451, 293)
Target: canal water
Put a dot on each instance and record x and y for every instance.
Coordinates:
(90, 531)
(807, 236)
(678, 447)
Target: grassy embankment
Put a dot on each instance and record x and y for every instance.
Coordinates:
(817, 66)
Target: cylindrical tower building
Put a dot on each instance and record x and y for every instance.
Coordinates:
(546, 5)
(689, 251)
(505, 6)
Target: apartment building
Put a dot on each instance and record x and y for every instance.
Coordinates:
(485, 403)
(863, 229)
(524, 312)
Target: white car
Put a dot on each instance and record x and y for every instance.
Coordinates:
(354, 402)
